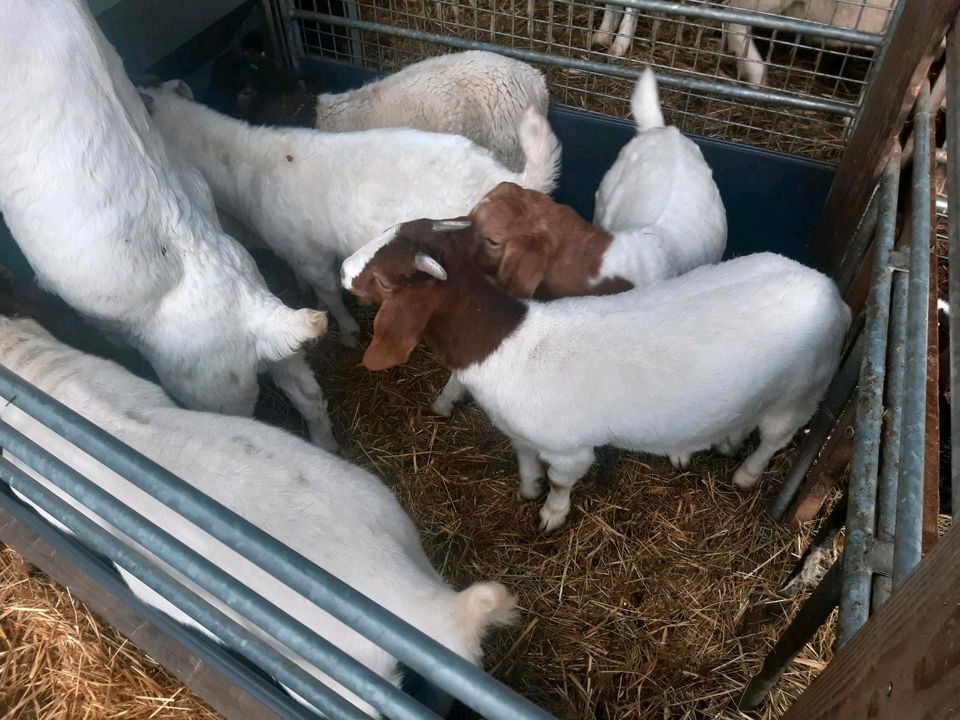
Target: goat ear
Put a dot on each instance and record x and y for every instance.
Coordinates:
(179, 87)
(147, 102)
(398, 327)
(523, 266)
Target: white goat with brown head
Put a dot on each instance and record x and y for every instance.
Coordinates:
(693, 362)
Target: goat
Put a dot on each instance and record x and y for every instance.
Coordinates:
(695, 361)
(477, 94)
(659, 214)
(335, 514)
(619, 25)
(871, 17)
(125, 232)
(316, 196)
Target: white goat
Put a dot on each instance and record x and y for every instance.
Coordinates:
(870, 16)
(658, 214)
(315, 197)
(692, 362)
(333, 513)
(477, 94)
(660, 188)
(127, 234)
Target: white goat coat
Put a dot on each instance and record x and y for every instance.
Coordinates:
(659, 201)
(314, 197)
(337, 515)
(477, 94)
(669, 370)
(305, 191)
(122, 231)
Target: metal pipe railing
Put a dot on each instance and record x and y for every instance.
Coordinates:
(327, 658)
(741, 92)
(420, 653)
(861, 508)
(953, 186)
(890, 457)
(908, 539)
(229, 631)
(753, 18)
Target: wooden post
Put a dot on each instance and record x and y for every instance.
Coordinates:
(905, 662)
(886, 107)
(827, 469)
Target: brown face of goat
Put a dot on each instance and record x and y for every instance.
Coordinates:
(539, 248)
(403, 279)
(462, 319)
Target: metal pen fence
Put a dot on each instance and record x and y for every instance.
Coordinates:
(432, 661)
(816, 73)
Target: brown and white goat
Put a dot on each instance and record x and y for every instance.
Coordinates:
(696, 361)
(659, 214)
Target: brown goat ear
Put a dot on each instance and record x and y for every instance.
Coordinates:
(523, 266)
(398, 327)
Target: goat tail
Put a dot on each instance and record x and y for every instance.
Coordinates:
(288, 331)
(541, 150)
(645, 103)
(482, 606)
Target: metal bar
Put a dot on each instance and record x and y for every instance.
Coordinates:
(329, 659)
(292, 35)
(195, 658)
(943, 207)
(356, 37)
(229, 631)
(811, 616)
(768, 21)
(270, 20)
(420, 653)
(665, 79)
(953, 185)
(855, 598)
(890, 458)
(908, 541)
(835, 400)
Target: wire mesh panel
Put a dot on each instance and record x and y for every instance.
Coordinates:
(807, 85)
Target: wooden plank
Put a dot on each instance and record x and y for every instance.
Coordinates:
(827, 469)
(905, 662)
(891, 94)
(214, 687)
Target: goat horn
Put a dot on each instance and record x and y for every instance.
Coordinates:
(427, 264)
(451, 225)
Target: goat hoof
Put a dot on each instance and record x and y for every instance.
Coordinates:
(680, 462)
(744, 480)
(443, 408)
(324, 439)
(726, 449)
(550, 520)
(620, 48)
(601, 39)
(530, 491)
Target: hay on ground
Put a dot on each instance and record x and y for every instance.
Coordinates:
(658, 599)
(59, 662)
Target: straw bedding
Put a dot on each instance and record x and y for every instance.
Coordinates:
(657, 600)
